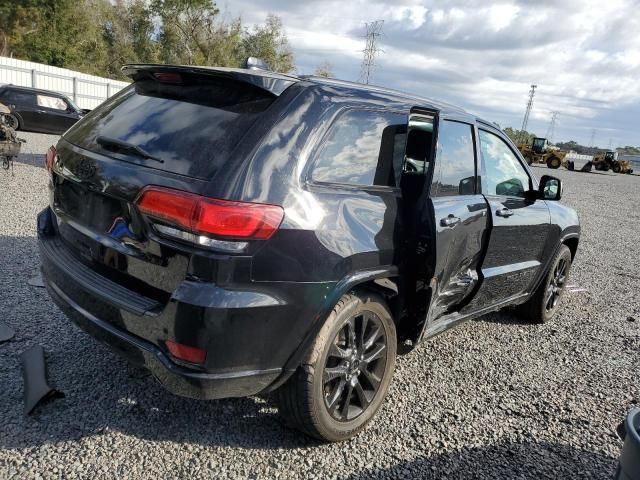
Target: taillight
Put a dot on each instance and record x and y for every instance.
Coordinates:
(185, 352)
(201, 218)
(49, 158)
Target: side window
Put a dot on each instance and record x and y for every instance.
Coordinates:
(20, 98)
(504, 174)
(55, 103)
(455, 160)
(362, 148)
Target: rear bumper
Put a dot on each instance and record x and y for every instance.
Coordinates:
(250, 332)
(175, 378)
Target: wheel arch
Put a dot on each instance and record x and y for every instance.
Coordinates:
(572, 243)
(381, 281)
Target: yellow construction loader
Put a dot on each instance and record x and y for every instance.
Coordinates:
(539, 152)
(607, 161)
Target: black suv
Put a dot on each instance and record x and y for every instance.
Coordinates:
(35, 110)
(242, 232)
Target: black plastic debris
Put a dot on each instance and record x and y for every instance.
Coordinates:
(34, 371)
(629, 463)
(6, 332)
(36, 281)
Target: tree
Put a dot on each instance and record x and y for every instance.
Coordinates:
(519, 136)
(269, 42)
(187, 28)
(98, 36)
(325, 69)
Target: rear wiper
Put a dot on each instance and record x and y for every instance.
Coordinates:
(114, 144)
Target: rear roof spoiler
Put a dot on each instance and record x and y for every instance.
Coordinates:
(272, 82)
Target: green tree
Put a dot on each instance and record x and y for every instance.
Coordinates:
(519, 136)
(187, 29)
(98, 36)
(325, 69)
(269, 42)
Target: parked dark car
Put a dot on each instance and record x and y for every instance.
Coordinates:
(35, 110)
(242, 232)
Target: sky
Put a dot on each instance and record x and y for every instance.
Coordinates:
(583, 55)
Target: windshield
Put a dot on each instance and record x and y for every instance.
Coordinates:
(191, 125)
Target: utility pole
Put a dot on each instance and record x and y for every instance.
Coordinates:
(525, 120)
(374, 30)
(552, 126)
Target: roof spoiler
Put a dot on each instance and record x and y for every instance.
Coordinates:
(272, 82)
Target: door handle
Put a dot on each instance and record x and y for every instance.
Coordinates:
(450, 221)
(504, 212)
(40, 111)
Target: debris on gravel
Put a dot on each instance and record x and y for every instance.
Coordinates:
(494, 398)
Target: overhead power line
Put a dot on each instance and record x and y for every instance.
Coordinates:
(374, 30)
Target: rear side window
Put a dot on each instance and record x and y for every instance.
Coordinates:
(455, 160)
(504, 174)
(363, 147)
(192, 125)
(20, 98)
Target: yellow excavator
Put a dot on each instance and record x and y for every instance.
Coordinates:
(539, 152)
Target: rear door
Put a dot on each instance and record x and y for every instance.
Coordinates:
(520, 223)
(460, 213)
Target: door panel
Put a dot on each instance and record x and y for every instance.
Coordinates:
(461, 222)
(520, 225)
(53, 114)
(461, 218)
(515, 250)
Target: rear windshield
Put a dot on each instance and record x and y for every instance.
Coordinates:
(189, 126)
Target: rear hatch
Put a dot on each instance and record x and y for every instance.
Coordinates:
(173, 128)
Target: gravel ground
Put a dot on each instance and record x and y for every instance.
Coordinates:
(493, 398)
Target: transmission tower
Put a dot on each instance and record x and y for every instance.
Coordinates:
(525, 120)
(552, 127)
(593, 137)
(374, 30)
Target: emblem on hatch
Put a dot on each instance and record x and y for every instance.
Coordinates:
(85, 169)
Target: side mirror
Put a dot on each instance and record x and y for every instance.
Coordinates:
(550, 188)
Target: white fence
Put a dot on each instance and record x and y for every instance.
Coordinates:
(87, 91)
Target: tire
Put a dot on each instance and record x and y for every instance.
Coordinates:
(12, 121)
(539, 309)
(571, 166)
(306, 399)
(554, 163)
(616, 168)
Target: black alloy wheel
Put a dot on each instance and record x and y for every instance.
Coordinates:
(555, 284)
(542, 305)
(355, 366)
(11, 121)
(343, 379)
